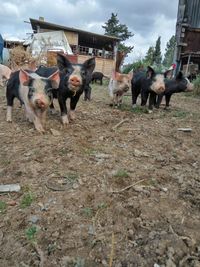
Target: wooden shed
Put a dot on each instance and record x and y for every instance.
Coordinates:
(84, 44)
(187, 52)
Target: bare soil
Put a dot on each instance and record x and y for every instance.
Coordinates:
(99, 193)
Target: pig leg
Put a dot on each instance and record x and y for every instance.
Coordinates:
(159, 100)
(52, 109)
(167, 99)
(10, 99)
(144, 97)
(38, 124)
(152, 99)
(63, 109)
(73, 103)
(135, 94)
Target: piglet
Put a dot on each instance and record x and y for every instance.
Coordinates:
(119, 84)
(35, 92)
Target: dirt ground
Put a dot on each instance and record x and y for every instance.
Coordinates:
(99, 193)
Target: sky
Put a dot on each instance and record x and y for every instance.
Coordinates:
(146, 19)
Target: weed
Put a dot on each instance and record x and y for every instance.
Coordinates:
(31, 233)
(2, 206)
(27, 200)
(180, 114)
(88, 212)
(121, 174)
(102, 205)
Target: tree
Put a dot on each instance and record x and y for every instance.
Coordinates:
(157, 52)
(169, 52)
(149, 58)
(114, 28)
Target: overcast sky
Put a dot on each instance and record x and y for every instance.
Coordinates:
(146, 19)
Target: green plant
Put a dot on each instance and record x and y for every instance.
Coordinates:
(31, 233)
(196, 83)
(88, 212)
(121, 174)
(2, 206)
(180, 114)
(27, 200)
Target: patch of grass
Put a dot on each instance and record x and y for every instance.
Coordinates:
(87, 211)
(121, 174)
(27, 200)
(196, 83)
(31, 233)
(2, 206)
(137, 109)
(180, 114)
(102, 205)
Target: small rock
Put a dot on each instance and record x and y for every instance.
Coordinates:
(10, 188)
(101, 138)
(34, 219)
(55, 132)
(91, 230)
(185, 129)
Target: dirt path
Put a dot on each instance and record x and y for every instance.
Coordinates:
(97, 195)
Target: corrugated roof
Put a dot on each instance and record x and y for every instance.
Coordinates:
(193, 13)
(48, 25)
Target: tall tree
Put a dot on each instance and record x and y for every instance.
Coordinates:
(149, 58)
(114, 28)
(157, 52)
(169, 52)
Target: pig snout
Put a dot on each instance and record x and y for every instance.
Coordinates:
(75, 81)
(41, 104)
(161, 90)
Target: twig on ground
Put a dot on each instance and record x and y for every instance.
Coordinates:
(112, 250)
(127, 187)
(118, 124)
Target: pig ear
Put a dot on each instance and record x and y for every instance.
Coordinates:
(150, 72)
(115, 75)
(168, 74)
(24, 77)
(63, 63)
(55, 79)
(89, 65)
(179, 76)
(130, 75)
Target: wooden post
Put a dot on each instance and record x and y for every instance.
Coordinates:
(186, 72)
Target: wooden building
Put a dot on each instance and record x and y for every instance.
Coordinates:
(187, 52)
(84, 44)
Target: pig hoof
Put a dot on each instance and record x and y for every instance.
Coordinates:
(150, 111)
(9, 120)
(65, 120)
(72, 116)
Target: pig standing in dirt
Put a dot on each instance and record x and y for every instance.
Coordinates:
(119, 84)
(5, 73)
(34, 92)
(147, 84)
(176, 85)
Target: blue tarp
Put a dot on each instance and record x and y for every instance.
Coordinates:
(1, 48)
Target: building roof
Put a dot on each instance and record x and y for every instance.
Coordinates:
(47, 25)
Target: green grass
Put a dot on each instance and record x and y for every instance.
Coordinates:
(26, 200)
(180, 114)
(87, 211)
(2, 206)
(121, 174)
(31, 233)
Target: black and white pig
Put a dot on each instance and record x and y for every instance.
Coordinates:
(73, 81)
(148, 85)
(177, 85)
(34, 92)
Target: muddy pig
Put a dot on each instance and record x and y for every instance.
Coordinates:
(177, 85)
(119, 84)
(34, 92)
(97, 76)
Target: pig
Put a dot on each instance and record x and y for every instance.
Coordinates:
(177, 85)
(5, 73)
(34, 92)
(73, 81)
(97, 76)
(119, 84)
(150, 84)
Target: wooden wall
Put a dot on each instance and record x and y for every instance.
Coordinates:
(72, 37)
(103, 65)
